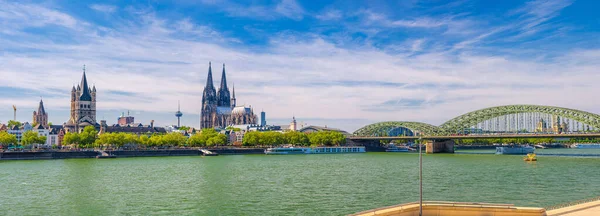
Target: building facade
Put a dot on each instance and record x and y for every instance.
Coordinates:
(219, 108)
(40, 116)
(125, 120)
(83, 107)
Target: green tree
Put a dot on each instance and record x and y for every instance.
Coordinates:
(296, 138)
(271, 138)
(144, 140)
(50, 124)
(196, 140)
(88, 136)
(7, 139)
(32, 137)
(184, 128)
(173, 139)
(71, 138)
(219, 139)
(201, 139)
(12, 123)
(251, 138)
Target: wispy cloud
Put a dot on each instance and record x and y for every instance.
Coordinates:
(330, 14)
(104, 8)
(290, 9)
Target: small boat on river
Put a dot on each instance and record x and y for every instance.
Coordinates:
(394, 148)
(587, 146)
(519, 150)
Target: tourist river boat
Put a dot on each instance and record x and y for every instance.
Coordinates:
(316, 150)
(520, 150)
(394, 148)
(587, 146)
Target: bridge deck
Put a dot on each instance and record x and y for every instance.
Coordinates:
(492, 136)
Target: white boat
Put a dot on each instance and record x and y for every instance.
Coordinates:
(514, 150)
(587, 146)
(394, 148)
(290, 150)
(316, 150)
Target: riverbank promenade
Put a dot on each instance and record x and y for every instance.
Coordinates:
(584, 209)
(476, 209)
(453, 209)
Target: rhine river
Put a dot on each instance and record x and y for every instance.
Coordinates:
(287, 185)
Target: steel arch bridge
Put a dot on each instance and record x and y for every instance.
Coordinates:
(471, 119)
(382, 128)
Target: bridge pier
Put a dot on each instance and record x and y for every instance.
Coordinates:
(439, 146)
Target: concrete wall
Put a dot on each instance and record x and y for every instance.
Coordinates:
(46, 155)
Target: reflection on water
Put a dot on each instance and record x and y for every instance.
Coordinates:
(289, 184)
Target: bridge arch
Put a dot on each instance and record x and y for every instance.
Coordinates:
(470, 119)
(385, 128)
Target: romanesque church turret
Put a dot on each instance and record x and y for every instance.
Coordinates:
(83, 106)
(40, 116)
(219, 108)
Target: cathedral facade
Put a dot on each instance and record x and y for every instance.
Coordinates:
(219, 108)
(83, 107)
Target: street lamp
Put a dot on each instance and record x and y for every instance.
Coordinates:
(420, 176)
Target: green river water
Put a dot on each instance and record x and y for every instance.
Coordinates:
(287, 185)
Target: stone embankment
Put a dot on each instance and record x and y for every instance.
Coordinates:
(45, 155)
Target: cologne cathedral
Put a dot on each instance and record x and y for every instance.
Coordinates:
(218, 107)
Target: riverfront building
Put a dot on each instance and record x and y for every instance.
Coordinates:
(219, 108)
(83, 107)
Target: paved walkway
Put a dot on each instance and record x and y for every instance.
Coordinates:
(585, 209)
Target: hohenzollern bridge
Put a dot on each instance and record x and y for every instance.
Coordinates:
(512, 121)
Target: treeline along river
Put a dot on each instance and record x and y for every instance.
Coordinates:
(285, 185)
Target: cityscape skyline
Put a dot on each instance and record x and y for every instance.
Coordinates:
(423, 65)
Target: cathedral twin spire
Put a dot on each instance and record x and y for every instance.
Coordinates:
(223, 97)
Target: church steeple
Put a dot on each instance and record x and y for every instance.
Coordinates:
(85, 90)
(223, 80)
(209, 81)
(233, 97)
(223, 97)
(41, 109)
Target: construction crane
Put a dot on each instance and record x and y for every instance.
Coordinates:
(15, 112)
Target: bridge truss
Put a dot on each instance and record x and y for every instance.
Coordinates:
(501, 119)
(384, 128)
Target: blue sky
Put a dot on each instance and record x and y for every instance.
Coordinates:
(338, 63)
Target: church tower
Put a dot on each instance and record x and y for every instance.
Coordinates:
(209, 102)
(83, 106)
(40, 117)
(223, 97)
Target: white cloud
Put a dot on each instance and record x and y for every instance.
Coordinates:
(104, 8)
(311, 78)
(290, 9)
(418, 23)
(19, 16)
(330, 15)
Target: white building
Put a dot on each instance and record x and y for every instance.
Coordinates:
(18, 131)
